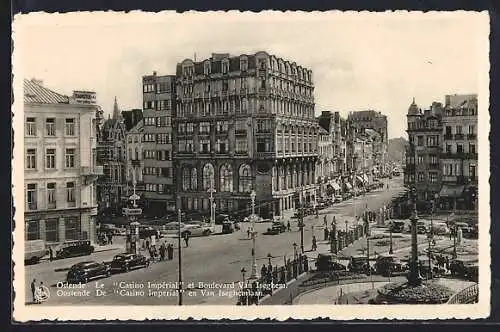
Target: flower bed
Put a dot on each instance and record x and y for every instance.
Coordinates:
(324, 277)
(427, 293)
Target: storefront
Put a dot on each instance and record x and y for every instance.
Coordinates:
(451, 197)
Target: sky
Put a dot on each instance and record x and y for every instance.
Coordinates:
(359, 61)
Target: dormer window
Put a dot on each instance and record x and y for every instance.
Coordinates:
(207, 68)
(225, 66)
(262, 64)
(243, 64)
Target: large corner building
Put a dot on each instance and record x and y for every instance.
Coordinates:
(244, 123)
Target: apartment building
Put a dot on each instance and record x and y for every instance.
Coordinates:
(158, 172)
(244, 123)
(60, 164)
(459, 157)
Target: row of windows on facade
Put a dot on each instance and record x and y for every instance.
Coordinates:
(158, 138)
(461, 112)
(72, 229)
(242, 84)
(134, 139)
(159, 121)
(274, 64)
(159, 105)
(50, 127)
(242, 106)
(263, 126)
(164, 87)
(32, 195)
(50, 158)
(432, 177)
(154, 154)
(457, 169)
(194, 204)
(448, 130)
(285, 179)
(424, 124)
(157, 171)
(159, 188)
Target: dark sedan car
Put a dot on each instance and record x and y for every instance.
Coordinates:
(125, 262)
(85, 271)
(74, 248)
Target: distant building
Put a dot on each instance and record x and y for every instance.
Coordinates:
(111, 155)
(131, 118)
(362, 120)
(158, 172)
(245, 123)
(328, 167)
(59, 164)
(459, 152)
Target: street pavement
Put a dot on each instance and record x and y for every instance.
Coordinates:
(209, 264)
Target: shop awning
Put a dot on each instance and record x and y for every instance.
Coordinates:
(451, 191)
(335, 186)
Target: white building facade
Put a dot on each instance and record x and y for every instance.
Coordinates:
(59, 164)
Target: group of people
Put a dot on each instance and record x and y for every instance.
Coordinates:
(161, 253)
(39, 292)
(105, 238)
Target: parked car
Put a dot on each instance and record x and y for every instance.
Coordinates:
(359, 264)
(193, 228)
(228, 227)
(327, 262)
(74, 248)
(397, 226)
(148, 231)
(85, 271)
(33, 251)
(386, 265)
(279, 225)
(125, 262)
(464, 269)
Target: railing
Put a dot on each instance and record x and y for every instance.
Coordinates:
(448, 136)
(466, 296)
(459, 136)
(471, 136)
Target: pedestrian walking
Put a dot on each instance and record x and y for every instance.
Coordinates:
(186, 239)
(33, 291)
(110, 238)
(51, 254)
(248, 232)
(314, 246)
(288, 226)
(170, 251)
(147, 244)
(162, 252)
(263, 271)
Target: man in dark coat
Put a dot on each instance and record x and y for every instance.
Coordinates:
(33, 290)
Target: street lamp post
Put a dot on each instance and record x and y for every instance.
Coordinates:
(253, 274)
(431, 237)
(301, 222)
(414, 277)
(390, 239)
(211, 191)
(179, 218)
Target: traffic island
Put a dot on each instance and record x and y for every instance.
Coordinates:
(429, 292)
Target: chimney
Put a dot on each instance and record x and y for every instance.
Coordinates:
(154, 73)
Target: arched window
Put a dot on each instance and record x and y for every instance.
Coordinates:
(245, 178)
(194, 179)
(208, 176)
(226, 178)
(186, 178)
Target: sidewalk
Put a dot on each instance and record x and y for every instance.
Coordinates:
(97, 249)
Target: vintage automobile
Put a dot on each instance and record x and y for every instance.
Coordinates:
(33, 251)
(387, 265)
(359, 264)
(279, 225)
(126, 262)
(228, 227)
(73, 249)
(193, 228)
(327, 263)
(464, 269)
(220, 218)
(397, 226)
(85, 271)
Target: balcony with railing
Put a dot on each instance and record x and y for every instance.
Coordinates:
(459, 155)
(459, 137)
(434, 166)
(471, 136)
(448, 136)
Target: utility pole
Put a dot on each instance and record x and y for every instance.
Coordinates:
(179, 218)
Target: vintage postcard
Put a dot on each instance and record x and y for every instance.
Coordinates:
(234, 165)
